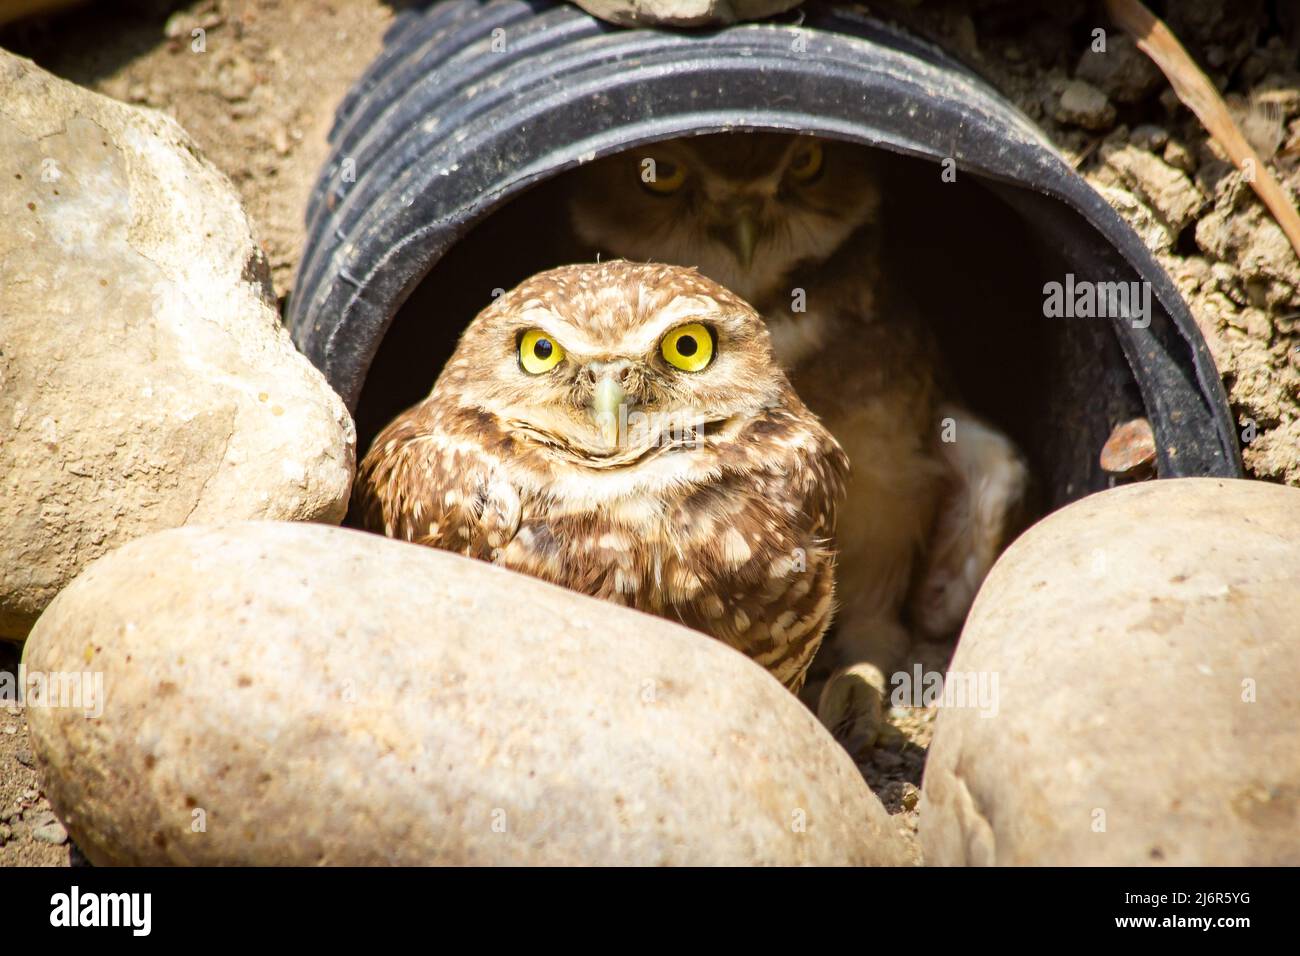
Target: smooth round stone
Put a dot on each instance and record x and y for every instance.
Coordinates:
(297, 694)
(1146, 647)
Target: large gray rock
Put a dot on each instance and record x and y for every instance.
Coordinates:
(296, 694)
(1146, 643)
(684, 13)
(145, 379)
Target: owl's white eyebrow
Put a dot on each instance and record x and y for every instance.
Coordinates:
(680, 309)
(563, 332)
(640, 340)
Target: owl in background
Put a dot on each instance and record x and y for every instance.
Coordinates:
(789, 223)
(622, 430)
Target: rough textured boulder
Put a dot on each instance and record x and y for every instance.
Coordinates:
(296, 694)
(1146, 642)
(145, 380)
(684, 13)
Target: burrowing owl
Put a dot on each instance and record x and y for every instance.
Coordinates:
(622, 430)
(789, 222)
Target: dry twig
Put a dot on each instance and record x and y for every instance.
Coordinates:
(1194, 88)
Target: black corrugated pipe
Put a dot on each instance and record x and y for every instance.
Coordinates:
(436, 191)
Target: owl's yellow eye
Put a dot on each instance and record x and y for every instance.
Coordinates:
(688, 347)
(662, 176)
(807, 162)
(538, 352)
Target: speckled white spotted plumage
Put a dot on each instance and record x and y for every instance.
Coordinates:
(716, 509)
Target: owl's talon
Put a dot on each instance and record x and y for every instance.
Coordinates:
(851, 707)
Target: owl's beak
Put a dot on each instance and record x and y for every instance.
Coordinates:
(743, 238)
(606, 402)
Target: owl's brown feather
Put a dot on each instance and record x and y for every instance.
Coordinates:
(726, 528)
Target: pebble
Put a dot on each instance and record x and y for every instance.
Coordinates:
(1149, 136)
(1176, 154)
(1131, 450)
(1123, 72)
(1081, 104)
(47, 829)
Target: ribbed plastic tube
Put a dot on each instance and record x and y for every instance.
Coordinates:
(473, 101)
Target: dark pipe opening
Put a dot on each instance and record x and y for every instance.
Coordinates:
(458, 152)
(969, 261)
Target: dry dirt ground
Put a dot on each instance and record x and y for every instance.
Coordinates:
(1116, 118)
(29, 833)
(260, 98)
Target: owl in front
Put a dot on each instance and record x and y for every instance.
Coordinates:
(790, 223)
(622, 430)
